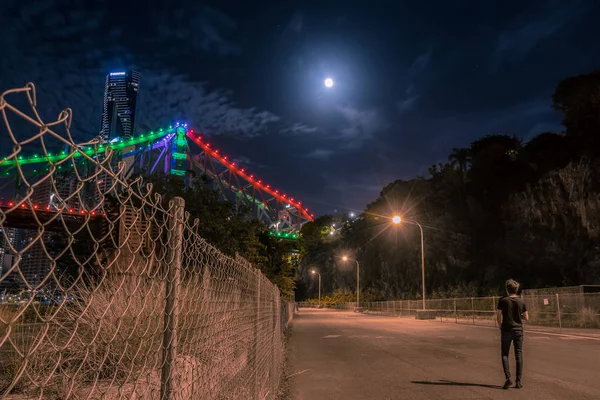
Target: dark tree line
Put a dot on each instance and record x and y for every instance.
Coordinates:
(499, 209)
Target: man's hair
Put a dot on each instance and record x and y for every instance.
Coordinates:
(512, 286)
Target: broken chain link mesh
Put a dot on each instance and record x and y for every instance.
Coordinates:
(109, 292)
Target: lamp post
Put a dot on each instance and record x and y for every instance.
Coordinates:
(345, 258)
(315, 272)
(397, 220)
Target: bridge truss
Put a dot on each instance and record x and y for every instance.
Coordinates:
(175, 150)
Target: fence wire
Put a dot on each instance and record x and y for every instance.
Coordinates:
(572, 313)
(108, 291)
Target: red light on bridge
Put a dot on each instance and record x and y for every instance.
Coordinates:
(71, 210)
(35, 206)
(23, 205)
(82, 212)
(93, 213)
(10, 204)
(47, 207)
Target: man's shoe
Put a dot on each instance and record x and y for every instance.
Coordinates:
(518, 385)
(507, 384)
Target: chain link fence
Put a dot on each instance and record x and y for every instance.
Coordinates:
(108, 291)
(572, 313)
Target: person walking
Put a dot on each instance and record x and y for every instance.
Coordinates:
(512, 311)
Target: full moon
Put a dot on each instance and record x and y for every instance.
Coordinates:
(329, 82)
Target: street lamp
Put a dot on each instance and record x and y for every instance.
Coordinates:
(346, 258)
(315, 272)
(397, 220)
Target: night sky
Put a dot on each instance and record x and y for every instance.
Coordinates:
(413, 79)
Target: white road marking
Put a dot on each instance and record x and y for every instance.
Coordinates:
(447, 337)
(331, 336)
(573, 338)
(298, 373)
(539, 337)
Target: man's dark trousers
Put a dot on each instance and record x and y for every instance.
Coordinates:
(515, 337)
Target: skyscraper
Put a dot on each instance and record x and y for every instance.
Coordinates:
(120, 95)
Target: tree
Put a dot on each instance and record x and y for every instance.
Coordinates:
(578, 98)
(460, 157)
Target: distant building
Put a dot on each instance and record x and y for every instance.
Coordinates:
(8, 238)
(120, 96)
(35, 264)
(58, 192)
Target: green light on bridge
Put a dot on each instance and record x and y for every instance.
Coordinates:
(119, 145)
(252, 199)
(284, 235)
(177, 172)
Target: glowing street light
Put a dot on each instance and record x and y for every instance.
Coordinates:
(397, 220)
(345, 258)
(314, 271)
(328, 83)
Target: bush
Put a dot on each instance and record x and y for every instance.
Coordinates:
(588, 318)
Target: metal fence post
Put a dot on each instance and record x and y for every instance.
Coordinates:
(256, 380)
(455, 313)
(493, 311)
(473, 309)
(558, 310)
(175, 250)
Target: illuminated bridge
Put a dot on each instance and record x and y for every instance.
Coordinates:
(176, 150)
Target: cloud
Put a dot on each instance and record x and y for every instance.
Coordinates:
(164, 97)
(245, 162)
(320, 154)
(71, 72)
(360, 125)
(296, 22)
(298, 129)
(420, 63)
(525, 119)
(203, 27)
(516, 43)
(409, 100)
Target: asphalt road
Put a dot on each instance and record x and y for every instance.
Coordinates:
(344, 355)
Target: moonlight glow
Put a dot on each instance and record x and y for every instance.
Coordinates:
(328, 82)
